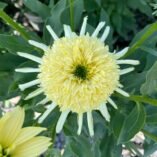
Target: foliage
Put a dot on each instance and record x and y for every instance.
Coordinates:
(132, 24)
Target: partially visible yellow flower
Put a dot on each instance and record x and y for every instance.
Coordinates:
(16, 141)
(78, 74)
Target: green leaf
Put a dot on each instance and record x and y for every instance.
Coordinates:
(6, 80)
(150, 149)
(77, 13)
(151, 118)
(55, 20)
(150, 135)
(150, 86)
(133, 123)
(37, 7)
(117, 124)
(81, 146)
(14, 44)
(15, 25)
(8, 62)
(53, 153)
(90, 5)
(2, 5)
(109, 148)
(149, 50)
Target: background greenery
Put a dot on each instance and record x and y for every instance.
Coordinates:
(132, 24)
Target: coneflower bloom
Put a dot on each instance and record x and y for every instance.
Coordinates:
(16, 141)
(78, 74)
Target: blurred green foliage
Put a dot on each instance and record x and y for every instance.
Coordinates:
(131, 24)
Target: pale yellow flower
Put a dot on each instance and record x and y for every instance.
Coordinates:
(77, 73)
(16, 141)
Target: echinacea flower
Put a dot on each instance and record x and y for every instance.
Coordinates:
(16, 141)
(78, 74)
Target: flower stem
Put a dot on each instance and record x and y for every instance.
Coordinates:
(152, 29)
(71, 3)
(140, 98)
(14, 25)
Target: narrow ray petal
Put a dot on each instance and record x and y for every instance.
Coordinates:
(83, 27)
(67, 31)
(97, 30)
(104, 111)
(127, 70)
(112, 103)
(28, 133)
(29, 84)
(90, 123)
(34, 93)
(61, 121)
(120, 85)
(128, 61)
(31, 57)
(121, 53)
(105, 34)
(80, 122)
(42, 102)
(47, 112)
(122, 92)
(39, 45)
(28, 70)
(53, 34)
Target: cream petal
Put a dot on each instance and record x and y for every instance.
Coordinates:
(61, 121)
(53, 34)
(120, 85)
(30, 56)
(28, 70)
(42, 102)
(12, 127)
(29, 84)
(47, 112)
(105, 34)
(3, 120)
(122, 92)
(128, 61)
(34, 93)
(80, 122)
(112, 103)
(67, 31)
(90, 123)
(104, 111)
(97, 30)
(39, 45)
(121, 53)
(127, 70)
(84, 24)
(28, 133)
(32, 148)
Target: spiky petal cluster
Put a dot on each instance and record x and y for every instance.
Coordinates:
(16, 141)
(77, 73)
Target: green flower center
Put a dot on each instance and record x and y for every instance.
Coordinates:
(4, 152)
(80, 72)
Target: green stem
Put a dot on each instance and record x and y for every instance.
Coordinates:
(71, 3)
(152, 29)
(141, 98)
(14, 25)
